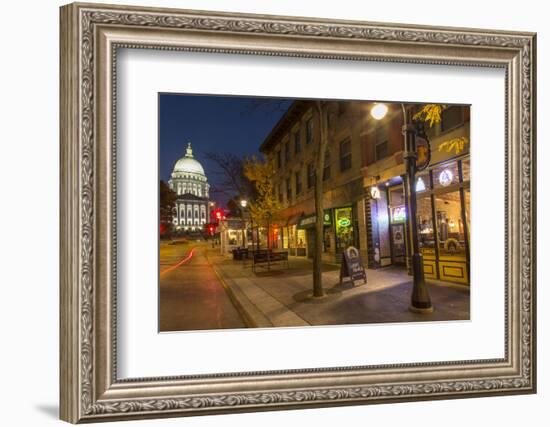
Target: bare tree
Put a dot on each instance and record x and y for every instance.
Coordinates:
(232, 181)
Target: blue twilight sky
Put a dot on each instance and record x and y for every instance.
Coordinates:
(213, 124)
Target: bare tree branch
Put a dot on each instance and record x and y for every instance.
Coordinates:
(233, 182)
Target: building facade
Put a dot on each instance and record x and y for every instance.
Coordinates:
(364, 196)
(189, 182)
(442, 190)
(292, 147)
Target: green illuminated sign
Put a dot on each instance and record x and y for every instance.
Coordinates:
(344, 222)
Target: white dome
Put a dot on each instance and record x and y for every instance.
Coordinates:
(188, 164)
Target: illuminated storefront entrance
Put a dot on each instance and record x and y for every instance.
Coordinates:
(443, 209)
(443, 218)
(398, 221)
(339, 232)
(293, 238)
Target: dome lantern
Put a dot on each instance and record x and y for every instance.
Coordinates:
(189, 151)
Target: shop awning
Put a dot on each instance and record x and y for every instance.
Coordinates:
(308, 221)
(293, 220)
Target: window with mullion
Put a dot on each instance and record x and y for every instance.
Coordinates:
(381, 147)
(345, 155)
(298, 182)
(297, 142)
(451, 118)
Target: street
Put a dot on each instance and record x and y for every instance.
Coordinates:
(200, 289)
(191, 295)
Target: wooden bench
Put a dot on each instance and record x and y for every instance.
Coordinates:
(265, 257)
(240, 254)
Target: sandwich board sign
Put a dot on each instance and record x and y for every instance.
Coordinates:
(352, 266)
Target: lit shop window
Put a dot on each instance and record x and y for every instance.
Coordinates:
(450, 226)
(426, 236)
(344, 228)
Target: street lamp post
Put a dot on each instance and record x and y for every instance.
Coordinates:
(420, 298)
(244, 203)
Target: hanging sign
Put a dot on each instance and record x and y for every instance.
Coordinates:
(352, 266)
(423, 152)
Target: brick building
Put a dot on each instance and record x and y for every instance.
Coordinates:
(364, 198)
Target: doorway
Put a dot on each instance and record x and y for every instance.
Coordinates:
(397, 236)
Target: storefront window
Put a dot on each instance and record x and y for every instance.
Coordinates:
(292, 236)
(450, 227)
(445, 175)
(301, 238)
(344, 228)
(285, 237)
(465, 170)
(426, 236)
(467, 210)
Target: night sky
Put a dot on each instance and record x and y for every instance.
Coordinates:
(213, 124)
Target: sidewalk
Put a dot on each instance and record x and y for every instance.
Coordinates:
(281, 297)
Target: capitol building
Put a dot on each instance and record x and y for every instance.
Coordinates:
(190, 184)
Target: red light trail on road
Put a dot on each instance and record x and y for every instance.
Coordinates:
(180, 263)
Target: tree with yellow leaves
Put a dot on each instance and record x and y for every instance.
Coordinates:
(265, 204)
(431, 114)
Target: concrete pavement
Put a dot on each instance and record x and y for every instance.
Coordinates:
(282, 297)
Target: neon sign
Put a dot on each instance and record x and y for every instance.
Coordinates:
(398, 213)
(446, 177)
(420, 186)
(344, 222)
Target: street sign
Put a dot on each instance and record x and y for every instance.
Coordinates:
(352, 266)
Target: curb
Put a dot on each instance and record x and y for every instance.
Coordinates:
(245, 315)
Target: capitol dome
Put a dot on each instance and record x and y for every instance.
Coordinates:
(188, 177)
(188, 164)
(190, 184)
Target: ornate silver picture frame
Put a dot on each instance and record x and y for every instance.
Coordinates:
(91, 390)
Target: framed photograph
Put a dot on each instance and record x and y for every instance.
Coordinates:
(266, 212)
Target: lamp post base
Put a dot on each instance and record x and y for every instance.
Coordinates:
(421, 310)
(420, 300)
